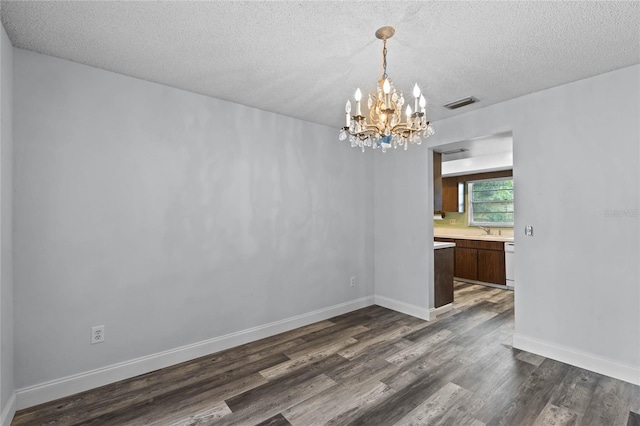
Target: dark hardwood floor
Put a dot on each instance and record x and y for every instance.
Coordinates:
(369, 367)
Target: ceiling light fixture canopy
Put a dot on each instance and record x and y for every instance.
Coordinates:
(385, 127)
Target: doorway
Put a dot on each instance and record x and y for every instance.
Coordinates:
(478, 215)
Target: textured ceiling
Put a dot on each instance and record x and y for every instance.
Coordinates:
(304, 59)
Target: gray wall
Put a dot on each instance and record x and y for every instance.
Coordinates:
(404, 226)
(576, 155)
(170, 217)
(6, 197)
(173, 218)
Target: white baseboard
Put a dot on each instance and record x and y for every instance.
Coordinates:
(405, 308)
(571, 356)
(59, 388)
(9, 411)
(434, 312)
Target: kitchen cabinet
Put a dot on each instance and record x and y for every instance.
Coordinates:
(450, 194)
(443, 276)
(437, 183)
(466, 263)
(491, 267)
(478, 260)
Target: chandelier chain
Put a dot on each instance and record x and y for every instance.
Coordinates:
(384, 59)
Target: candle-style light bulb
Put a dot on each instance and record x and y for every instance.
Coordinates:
(416, 95)
(416, 91)
(408, 111)
(423, 103)
(358, 96)
(347, 109)
(386, 88)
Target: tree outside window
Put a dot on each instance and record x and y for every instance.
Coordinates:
(491, 202)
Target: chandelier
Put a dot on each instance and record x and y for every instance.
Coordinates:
(385, 127)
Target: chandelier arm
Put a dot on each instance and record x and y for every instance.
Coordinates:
(366, 131)
(372, 128)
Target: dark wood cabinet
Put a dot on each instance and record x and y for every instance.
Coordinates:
(443, 276)
(479, 260)
(491, 268)
(450, 194)
(437, 182)
(466, 263)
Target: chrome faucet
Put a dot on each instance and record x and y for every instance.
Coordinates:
(486, 229)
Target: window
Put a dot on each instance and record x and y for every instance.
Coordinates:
(491, 202)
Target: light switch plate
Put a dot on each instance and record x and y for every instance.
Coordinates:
(528, 231)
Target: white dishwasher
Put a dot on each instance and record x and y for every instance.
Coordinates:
(509, 255)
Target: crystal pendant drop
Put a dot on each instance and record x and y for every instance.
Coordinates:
(343, 135)
(370, 102)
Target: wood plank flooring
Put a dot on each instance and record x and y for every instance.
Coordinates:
(374, 367)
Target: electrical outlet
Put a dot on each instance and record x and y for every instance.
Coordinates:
(97, 334)
(452, 221)
(353, 281)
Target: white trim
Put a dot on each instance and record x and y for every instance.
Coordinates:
(59, 388)
(574, 357)
(9, 411)
(434, 312)
(405, 308)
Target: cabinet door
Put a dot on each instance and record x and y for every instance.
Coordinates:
(491, 268)
(450, 194)
(437, 182)
(443, 277)
(466, 263)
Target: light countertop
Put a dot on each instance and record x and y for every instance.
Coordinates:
(500, 238)
(440, 245)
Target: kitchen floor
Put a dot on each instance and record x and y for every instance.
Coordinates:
(373, 366)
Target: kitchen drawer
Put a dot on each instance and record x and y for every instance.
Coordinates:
(477, 244)
(466, 243)
(444, 240)
(490, 245)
